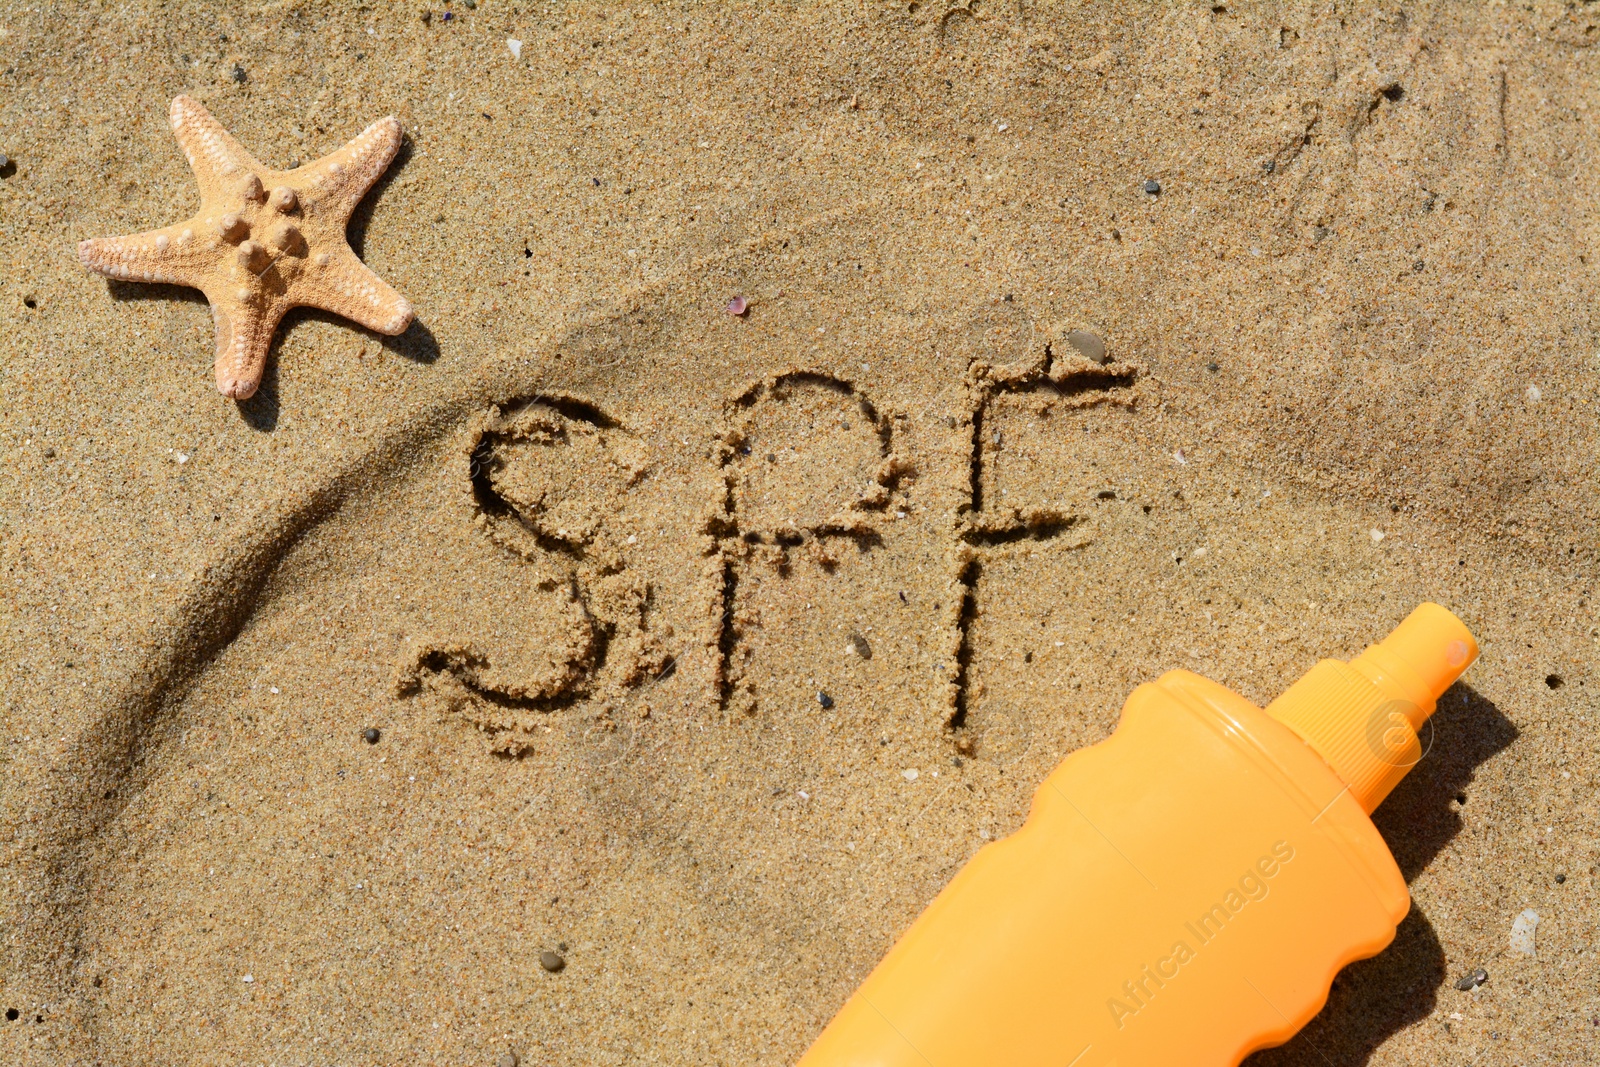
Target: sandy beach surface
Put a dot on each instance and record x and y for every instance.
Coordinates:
(702, 649)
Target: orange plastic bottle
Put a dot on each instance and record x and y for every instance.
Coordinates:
(1181, 893)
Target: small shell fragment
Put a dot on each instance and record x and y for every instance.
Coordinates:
(1523, 929)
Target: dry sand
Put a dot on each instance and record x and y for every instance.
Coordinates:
(586, 549)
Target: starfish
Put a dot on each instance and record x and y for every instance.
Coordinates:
(263, 241)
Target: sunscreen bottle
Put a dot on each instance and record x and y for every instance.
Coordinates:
(1183, 892)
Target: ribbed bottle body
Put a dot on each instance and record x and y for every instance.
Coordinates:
(1183, 892)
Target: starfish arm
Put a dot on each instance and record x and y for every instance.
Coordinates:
(244, 335)
(348, 287)
(337, 182)
(218, 161)
(173, 255)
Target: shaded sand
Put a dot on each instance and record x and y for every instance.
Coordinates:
(657, 609)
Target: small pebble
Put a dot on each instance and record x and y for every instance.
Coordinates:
(239, 75)
(371, 734)
(508, 1059)
(1212, 367)
(825, 700)
(1561, 879)
(472, 5)
(515, 46)
(5, 161)
(1152, 187)
(738, 306)
(1473, 980)
(860, 647)
(551, 961)
(1089, 345)
(910, 774)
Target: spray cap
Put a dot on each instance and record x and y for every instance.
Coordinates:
(1362, 717)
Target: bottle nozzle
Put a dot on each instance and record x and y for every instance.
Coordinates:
(1362, 717)
(1420, 659)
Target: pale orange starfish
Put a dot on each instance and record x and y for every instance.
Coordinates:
(263, 241)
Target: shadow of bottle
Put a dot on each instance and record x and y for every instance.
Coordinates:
(1375, 998)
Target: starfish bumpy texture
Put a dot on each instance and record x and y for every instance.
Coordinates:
(263, 241)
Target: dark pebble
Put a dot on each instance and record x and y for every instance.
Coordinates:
(472, 5)
(551, 961)
(12, 1014)
(239, 75)
(1561, 879)
(825, 700)
(1152, 187)
(1212, 367)
(371, 734)
(1419, 266)
(1473, 980)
